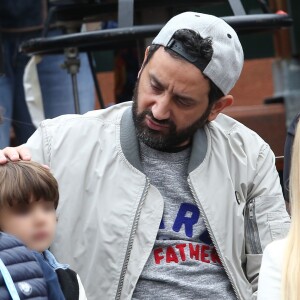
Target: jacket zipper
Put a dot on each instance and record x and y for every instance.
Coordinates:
(251, 227)
(131, 238)
(212, 237)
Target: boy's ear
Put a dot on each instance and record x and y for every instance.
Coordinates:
(219, 105)
(145, 57)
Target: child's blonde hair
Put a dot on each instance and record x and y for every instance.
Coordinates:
(291, 264)
(22, 182)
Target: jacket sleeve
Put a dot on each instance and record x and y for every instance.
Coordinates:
(266, 218)
(39, 145)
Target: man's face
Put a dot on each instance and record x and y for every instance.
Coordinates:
(34, 224)
(170, 102)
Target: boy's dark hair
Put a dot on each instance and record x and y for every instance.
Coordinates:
(23, 182)
(195, 46)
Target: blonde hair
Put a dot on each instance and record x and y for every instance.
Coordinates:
(22, 182)
(291, 264)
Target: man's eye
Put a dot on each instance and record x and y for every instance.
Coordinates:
(184, 102)
(156, 88)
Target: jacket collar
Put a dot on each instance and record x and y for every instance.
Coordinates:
(130, 144)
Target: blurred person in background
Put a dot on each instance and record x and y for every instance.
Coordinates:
(20, 21)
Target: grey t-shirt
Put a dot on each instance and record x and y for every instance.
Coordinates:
(184, 263)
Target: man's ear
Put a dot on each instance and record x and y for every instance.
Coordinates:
(219, 105)
(145, 57)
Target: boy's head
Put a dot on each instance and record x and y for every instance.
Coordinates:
(28, 200)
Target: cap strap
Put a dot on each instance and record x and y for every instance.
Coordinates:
(177, 47)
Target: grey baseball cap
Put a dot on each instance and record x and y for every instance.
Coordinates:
(227, 61)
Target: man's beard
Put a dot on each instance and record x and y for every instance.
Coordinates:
(163, 141)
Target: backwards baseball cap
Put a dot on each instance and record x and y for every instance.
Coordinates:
(226, 64)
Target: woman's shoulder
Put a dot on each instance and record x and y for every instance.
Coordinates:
(276, 245)
(275, 250)
(269, 283)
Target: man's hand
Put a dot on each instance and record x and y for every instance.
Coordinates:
(14, 154)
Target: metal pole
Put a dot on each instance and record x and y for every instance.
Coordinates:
(72, 64)
(237, 7)
(125, 13)
(75, 93)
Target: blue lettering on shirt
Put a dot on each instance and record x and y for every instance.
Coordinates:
(162, 224)
(188, 215)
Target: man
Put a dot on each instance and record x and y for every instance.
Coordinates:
(166, 198)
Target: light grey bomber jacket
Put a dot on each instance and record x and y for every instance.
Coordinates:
(109, 213)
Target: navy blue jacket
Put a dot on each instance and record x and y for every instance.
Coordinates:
(24, 270)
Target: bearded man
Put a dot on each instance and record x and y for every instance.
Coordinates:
(165, 197)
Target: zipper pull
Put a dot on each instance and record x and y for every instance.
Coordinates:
(237, 197)
(251, 213)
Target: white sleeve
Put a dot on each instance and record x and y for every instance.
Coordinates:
(269, 283)
(82, 295)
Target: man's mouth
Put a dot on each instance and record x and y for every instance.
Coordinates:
(155, 125)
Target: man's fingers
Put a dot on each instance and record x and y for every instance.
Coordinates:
(24, 153)
(8, 153)
(3, 158)
(46, 167)
(14, 154)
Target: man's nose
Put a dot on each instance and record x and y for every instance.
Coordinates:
(161, 109)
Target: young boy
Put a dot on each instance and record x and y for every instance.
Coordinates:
(28, 201)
